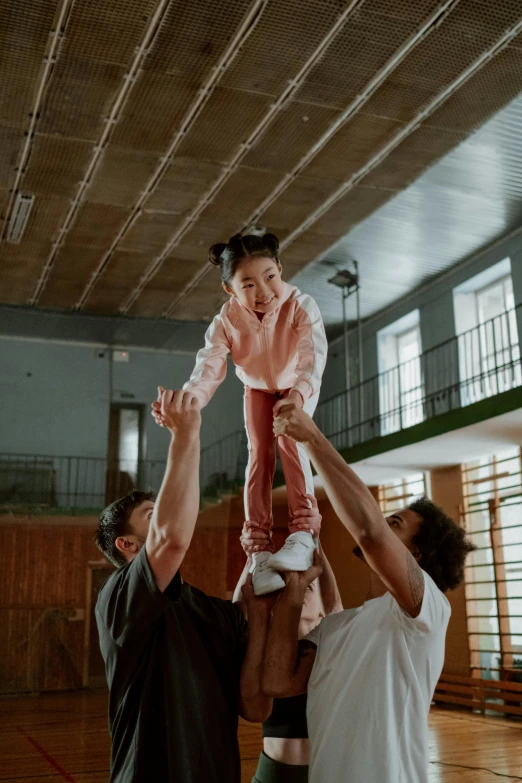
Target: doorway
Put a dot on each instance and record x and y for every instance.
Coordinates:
(125, 450)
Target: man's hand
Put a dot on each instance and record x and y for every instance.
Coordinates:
(293, 398)
(258, 603)
(180, 411)
(297, 582)
(293, 422)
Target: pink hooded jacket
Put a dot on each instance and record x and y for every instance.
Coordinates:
(285, 351)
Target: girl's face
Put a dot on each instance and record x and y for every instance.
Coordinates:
(257, 284)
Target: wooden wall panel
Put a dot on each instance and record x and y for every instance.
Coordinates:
(43, 601)
(205, 564)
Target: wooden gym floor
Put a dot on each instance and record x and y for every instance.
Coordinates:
(63, 737)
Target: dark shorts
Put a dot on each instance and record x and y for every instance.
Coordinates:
(270, 771)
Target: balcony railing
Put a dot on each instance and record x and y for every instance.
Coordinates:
(48, 482)
(480, 363)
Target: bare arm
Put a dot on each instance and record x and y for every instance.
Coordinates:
(177, 505)
(255, 705)
(288, 663)
(237, 598)
(330, 595)
(358, 511)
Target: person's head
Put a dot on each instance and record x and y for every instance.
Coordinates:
(313, 609)
(123, 527)
(438, 544)
(250, 270)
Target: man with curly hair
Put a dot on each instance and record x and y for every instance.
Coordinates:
(370, 672)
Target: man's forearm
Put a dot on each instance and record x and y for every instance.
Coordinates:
(282, 646)
(330, 595)
(177, 504)
(237, 598)
(350, 497)
(255, 704)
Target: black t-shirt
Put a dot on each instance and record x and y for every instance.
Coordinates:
(173, 662)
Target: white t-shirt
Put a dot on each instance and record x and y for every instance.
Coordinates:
(371, 688)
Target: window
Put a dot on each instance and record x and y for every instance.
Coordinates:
(489, 352)
(400, 377)
(401, 492)
(493, 517)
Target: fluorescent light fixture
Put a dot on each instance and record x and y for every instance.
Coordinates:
(20, 215)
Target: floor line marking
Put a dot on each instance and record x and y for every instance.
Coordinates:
(50, 760)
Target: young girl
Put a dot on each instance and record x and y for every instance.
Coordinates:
(276, 338)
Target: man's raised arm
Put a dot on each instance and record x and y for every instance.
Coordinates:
(177, 505)
(358, 511)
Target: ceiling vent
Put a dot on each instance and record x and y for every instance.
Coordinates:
(19, 217)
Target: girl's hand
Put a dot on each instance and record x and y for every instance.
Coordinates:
(156, 408)
(255, 540)
(293, 398)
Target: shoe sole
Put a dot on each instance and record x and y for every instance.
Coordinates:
(276, 565)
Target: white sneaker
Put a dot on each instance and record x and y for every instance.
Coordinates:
(297, 554)
(264, 580)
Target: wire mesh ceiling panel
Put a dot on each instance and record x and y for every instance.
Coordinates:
(91, 61)
(290, 136)
(313, 96)
(121, 176)
(125, 270)
(150, 232)
(80, 97)
(286, 36)
(373, 35)
(20, 267)
(24, 32)
(239, 196)
(73, 264)
(175, 273)
(96, 225)
(183, 185)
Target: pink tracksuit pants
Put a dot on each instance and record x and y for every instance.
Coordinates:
(259, 424)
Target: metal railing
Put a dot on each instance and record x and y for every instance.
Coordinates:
(70, 482)
(479, 363)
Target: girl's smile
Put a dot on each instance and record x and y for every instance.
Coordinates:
(257, 284)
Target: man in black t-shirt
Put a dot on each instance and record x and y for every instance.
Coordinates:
(173, 655)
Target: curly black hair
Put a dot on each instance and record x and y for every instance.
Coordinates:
(114, 523)
(442, 544)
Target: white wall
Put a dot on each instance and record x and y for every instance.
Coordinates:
(435, 304)
(55, 397)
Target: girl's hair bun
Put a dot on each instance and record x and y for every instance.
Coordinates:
(272, 243)
(215, 253)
